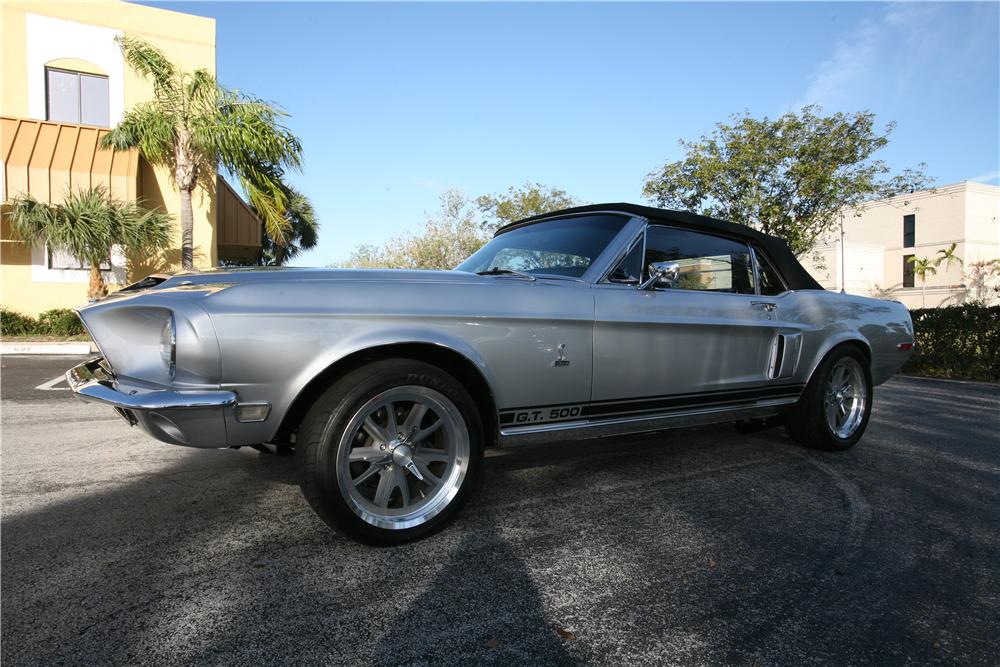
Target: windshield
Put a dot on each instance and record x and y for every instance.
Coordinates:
(563, 247)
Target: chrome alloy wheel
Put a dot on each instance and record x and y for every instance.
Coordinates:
(845, 397)
(403, 457)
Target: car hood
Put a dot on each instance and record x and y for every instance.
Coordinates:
(243, 276)
(288, 273)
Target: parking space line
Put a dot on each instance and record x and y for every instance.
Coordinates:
(50, 385)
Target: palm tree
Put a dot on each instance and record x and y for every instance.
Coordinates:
(922, 267)
(88, 224)
(303, 231)
(948, 256)
(193, 126)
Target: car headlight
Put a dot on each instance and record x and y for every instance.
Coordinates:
(168, 346)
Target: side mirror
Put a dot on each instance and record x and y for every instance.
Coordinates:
(661, 273)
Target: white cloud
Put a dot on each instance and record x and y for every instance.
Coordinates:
(856, 56)
(987, 177)
(429, 183)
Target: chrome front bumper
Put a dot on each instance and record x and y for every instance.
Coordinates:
(182, 417)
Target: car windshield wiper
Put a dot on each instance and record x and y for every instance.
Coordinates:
(497, 271)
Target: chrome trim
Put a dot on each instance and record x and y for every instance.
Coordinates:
(639, 237)
(92, 382)
(756, 271)
(172, 365)
(660, 271)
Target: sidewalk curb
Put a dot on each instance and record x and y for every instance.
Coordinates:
(48, 348)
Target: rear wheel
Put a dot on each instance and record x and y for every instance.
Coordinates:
(390, 452)
(834, 409)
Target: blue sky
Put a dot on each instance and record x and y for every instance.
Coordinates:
(396, 102)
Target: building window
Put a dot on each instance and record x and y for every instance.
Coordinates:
(60, 259)
(908, 270)
(75, 97)
(909, 230)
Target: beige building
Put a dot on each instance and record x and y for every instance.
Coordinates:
(64, 81)
(880, 237)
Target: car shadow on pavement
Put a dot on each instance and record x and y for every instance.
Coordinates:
(696, 546)
(217, 558)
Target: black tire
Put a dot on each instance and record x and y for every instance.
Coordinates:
(322, 430)
(806, 421)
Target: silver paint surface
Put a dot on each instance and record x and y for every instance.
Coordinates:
(264, 334)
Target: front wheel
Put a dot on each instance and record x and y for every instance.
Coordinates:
(390, 452)
(834, 409)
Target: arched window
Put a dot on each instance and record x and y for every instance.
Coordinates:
(76, 92)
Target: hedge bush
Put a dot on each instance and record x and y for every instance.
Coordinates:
(961, 342)
(15, 324)
(60, 322)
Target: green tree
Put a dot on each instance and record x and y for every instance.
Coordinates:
(790, 176)
(193, 126)
(449, 236)
(923, 267)
(302, 234)
(88, 224)
(523, 202)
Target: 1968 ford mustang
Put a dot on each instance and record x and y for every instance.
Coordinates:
(593, 321)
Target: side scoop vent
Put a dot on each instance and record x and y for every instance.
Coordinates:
(784, 355)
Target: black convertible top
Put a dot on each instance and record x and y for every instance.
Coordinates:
(776, 249)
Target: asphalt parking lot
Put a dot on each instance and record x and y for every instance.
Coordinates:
(696, 546)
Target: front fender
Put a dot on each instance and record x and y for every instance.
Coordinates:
(363, 341)
(307, 363)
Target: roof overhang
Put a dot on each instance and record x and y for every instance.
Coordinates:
(238, 229)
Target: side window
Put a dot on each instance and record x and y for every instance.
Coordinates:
(708, 263)
(630, 268)
(60, 259)
(74, 97)
(771, 283)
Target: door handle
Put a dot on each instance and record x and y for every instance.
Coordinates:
(769, 306)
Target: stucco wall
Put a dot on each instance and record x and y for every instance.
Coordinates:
(37, 33)
(964, 213)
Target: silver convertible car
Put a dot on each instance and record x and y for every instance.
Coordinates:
(593, 321)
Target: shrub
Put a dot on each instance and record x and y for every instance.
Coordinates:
(13, 323)
(961, 342)
(60, 322)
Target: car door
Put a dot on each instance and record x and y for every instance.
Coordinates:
(704, 338)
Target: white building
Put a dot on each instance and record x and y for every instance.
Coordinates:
(883, 235)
